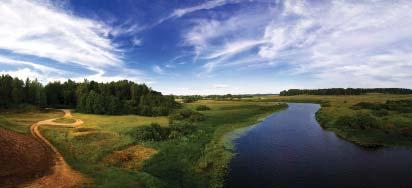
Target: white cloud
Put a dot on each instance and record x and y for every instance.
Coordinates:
(180, 12)
(353, 43)
(41, 68)
(234, 48)
(217, 41)
(204, 6)
(25, 73)
(30, 27)
(137, 42)
(39, 29)
(157, 69)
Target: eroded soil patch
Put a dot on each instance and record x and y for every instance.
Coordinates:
(22, 158)
(130, 158)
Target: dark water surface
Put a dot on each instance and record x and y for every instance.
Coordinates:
(290, 149)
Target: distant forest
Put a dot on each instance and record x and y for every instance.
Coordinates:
(343, 91)
(121, 97)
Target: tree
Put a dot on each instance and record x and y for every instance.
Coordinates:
(88, 96)
(17, 91)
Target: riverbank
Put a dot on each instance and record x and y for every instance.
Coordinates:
(389, 128)
(220, 150)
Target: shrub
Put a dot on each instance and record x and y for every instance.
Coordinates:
(202, 108)
(160, 111)
(155, 132)
(150, 133)
(359, 121)
(186, 115)
(183, 129)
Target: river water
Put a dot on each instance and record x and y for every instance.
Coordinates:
(290, 149)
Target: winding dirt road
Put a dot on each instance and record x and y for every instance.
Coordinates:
(62, 174)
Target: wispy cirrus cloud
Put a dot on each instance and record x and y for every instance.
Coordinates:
(40, 29)
(208, 5)
(204, 6)
(353, 43)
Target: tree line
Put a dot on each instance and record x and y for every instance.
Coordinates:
(194, 98)
(344, 91)
(121, 97)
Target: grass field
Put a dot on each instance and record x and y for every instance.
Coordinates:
(196, 160)
(334, 107)
(85, 147)
(65, 120)
(20, 121)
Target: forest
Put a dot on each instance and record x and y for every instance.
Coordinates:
(344, 91)
(120, 97)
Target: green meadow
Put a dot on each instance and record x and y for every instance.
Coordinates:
(109, 150)
(198, 159)
(21, 120)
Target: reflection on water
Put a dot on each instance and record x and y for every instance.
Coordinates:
(290, 149)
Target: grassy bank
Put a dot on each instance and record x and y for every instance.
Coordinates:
(377, 127)
(198, 159)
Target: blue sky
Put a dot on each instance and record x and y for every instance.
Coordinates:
(210, 47)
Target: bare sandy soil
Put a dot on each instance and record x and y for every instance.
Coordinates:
(22, 158)
(35, 162)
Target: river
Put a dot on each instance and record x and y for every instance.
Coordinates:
(290, 149)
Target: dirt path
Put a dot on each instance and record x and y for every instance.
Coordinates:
(62, 174)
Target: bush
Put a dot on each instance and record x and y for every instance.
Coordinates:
(186, 115)
(182, 129)
(155, 132)
(160, 111)
(359, 121)
(202, 108)
(150, 133)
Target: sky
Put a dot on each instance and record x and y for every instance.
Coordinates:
(210, 47)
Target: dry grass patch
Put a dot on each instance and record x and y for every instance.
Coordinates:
(130, 158)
